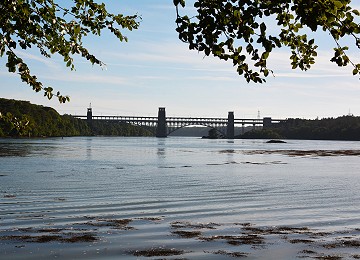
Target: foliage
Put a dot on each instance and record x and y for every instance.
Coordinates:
(261, 134)
(341, 128)
(52, 28)
(13, 125)
(228, 29)
(21, 118)
(213, 133)
(237, 31)
(108, 128)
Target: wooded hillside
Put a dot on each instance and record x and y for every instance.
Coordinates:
(21, 118)
(341, 128)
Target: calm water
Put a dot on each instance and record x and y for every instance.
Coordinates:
(75, 186)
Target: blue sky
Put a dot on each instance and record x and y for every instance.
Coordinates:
(154, 69)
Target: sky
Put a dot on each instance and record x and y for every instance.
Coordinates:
(155, 69)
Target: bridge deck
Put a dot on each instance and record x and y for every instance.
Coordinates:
(182, 120)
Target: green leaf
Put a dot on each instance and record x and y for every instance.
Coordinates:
(181, 2)
(356, 12)
(265, 55)
(338, 4)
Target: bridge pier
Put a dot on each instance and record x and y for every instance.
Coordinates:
(230, 129)
(164, 125)
(161, 124)
(267, 122)
(89, 115)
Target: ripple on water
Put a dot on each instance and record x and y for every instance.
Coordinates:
(104, 198)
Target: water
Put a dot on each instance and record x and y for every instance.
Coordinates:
(75, 186)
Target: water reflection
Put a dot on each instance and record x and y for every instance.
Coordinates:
(154, 183)
(161, 151)
(230, 153)
(88, 149)
(14, 149)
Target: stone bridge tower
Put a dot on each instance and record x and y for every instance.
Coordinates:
(89, 115)
(161, 125)
(230, 126)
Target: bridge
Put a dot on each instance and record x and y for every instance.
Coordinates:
(166, 125)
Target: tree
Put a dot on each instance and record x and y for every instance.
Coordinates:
(213, 134)
(53, 28)
(236, 30)
(16, 126)
(233, 30)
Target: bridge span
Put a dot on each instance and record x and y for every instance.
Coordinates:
(166, 125)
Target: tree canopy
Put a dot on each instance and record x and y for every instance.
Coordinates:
(23, 119)
(228, 29)
(340, 128)
(52, 27)
(238, 31)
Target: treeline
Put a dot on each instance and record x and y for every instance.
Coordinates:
(341, 128)
(21, 118)
(101, 127)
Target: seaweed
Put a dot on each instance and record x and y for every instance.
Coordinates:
(303, 241)
(329, 257)
(80, 238)
(187, 234)
(153, 219)
(9, 196)
(277, 230)
(246, 234)
(232, 254)
(313, 153)
(159, 251)
(247, 224)
(180, 224)
(343, 243)
(115, 223)
(71, 238)
(307, 252)
(249, 239)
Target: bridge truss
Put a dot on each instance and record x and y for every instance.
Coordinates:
(149, 122)
(162, 126)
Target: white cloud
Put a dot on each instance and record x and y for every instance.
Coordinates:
(86, 78)
(50, 63)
